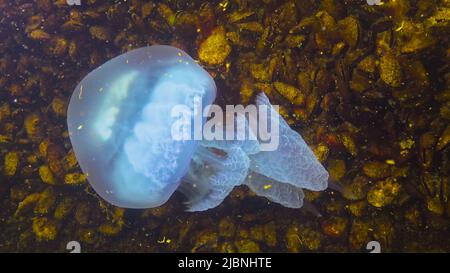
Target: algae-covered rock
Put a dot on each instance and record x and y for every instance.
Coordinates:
(435, 204)
(390, 69)
(46, 202)
(383, 192)
(376, 169)
(357, 189)
(336, 168)
(349, 29)
(205, 241)
(359, 234)
(444, 139)
(39, 34)
(368, 64)
(357, 209)
(113, 227)
(109, 229)
(33, 127)
(299, 237)
(227, 227)
(11, 162)
(384, 231)
(5, 111)
(321, 151)
(334, 226)
(59, 106)
(227, 247)
(100, 32)
(44, 229)
(82, 213)
(87, 235)
(167, 13)
(215, 49)
(28, 202)
(246, 91)
(270, 234)
(46, 175)
(70, 161)
(64, 208)
(75, 178)
(290, 92)
(247, 246)
(262, 72)
(349, 143)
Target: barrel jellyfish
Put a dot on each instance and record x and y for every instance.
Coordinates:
(120, 126)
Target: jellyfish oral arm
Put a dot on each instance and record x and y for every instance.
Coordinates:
(278, 175)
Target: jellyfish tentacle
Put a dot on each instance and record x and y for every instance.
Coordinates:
(278, 192)
(225, 173)
(293, 162)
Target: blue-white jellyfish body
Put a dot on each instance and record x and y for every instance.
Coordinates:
(120, 124)
(119, 120)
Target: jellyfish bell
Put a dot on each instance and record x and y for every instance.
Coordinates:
(119, 120)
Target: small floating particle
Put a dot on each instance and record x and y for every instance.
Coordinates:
(80, 95)
(164, 241)
(227, 67)
(390, 161)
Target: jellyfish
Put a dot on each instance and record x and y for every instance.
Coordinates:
(120, 121)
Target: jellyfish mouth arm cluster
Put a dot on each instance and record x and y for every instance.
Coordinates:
(226, 172)
(278, 175)
(293, 162)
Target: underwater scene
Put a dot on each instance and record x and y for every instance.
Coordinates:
(230, 126)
